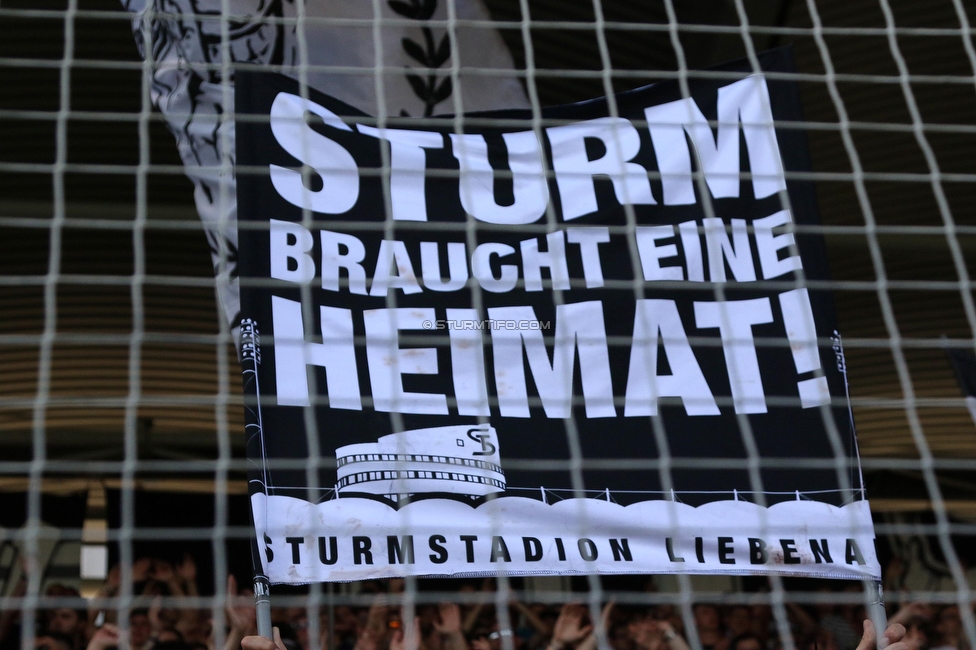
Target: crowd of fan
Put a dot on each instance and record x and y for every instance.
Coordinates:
(472, 623)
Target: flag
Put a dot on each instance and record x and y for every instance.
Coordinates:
(593, 342)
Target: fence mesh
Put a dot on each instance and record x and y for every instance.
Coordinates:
(122, 476)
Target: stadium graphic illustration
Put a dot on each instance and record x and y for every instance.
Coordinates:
(459, 460)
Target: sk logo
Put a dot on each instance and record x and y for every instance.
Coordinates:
(487, 449)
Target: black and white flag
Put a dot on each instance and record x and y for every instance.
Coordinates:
(592, 342)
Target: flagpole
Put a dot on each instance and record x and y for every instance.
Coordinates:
(876, 609)
(250, 358)
(262, 605)
(262, 588)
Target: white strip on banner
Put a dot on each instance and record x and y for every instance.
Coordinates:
(356, 538)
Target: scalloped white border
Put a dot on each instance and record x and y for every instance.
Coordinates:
(645, 525)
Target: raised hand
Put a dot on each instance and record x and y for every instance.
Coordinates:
(449, 626)
(374, 632)
(407, 637)
(260, 643)
(892, 639)
(647, 634)
(450, 619)
(187, 569)
(569, 628)
(105, 637)
(591, 642)
(240, 612)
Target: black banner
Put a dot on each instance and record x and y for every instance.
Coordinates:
(553, 343)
